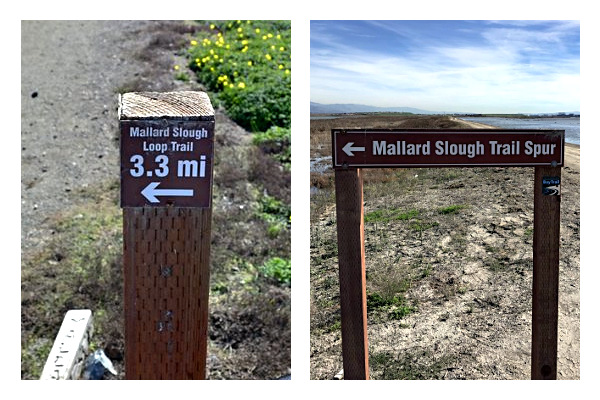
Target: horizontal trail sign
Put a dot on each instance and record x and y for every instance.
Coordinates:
(364, 148)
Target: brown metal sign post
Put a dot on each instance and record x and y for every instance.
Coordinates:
(166, 186)
(356, 149)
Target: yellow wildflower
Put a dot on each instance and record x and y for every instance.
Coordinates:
(282, 48)
(268, 56)
(176, 67)
(270, 35)
(249, 63)
(212, 26)
(193, 43)
(197, 60)
(245, 49)
(241, 85)
(287, 71)
(280, 66)
(239, 30)
(264, 37)
(257, 30)
(278, 36)
(231, 85)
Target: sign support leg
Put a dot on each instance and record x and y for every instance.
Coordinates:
(546, 240)
(351, 257)
(166, 268)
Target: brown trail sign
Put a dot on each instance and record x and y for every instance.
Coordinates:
(354, 149)
(166, 187)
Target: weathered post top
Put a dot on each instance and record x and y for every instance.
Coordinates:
(188, 105)
(166, 149)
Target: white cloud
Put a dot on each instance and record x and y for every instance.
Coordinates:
(500, 77)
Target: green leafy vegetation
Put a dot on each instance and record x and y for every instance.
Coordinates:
(275, 213)
(278, 269)
(247, 64)
(420, 226)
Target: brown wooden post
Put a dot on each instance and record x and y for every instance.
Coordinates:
(165, 194)
(546, 241)
(351, 257)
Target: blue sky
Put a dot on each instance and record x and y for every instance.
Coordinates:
(462, 66)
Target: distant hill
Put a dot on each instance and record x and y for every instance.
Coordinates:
(318, 108)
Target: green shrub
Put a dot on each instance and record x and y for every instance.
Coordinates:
(274, 211)
(278, 269)
(247, 64)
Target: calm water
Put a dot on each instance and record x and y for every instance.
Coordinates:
(570, 125)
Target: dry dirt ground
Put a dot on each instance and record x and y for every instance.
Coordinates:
(72, 72)
(454, 248)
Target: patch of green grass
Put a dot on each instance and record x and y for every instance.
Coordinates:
(453, 209)
(401, 312)
(420, 226)
(390, 215)
(395, 306)
(247, 64)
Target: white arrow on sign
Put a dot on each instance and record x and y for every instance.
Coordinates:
(348, 149)
(150, 192)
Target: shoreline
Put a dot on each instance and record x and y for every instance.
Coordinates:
(479, 125)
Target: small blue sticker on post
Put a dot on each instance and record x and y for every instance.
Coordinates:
(551, 186)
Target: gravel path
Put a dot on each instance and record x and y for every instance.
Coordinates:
(70, 75)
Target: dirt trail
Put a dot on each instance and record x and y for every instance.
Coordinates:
(70, 72)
